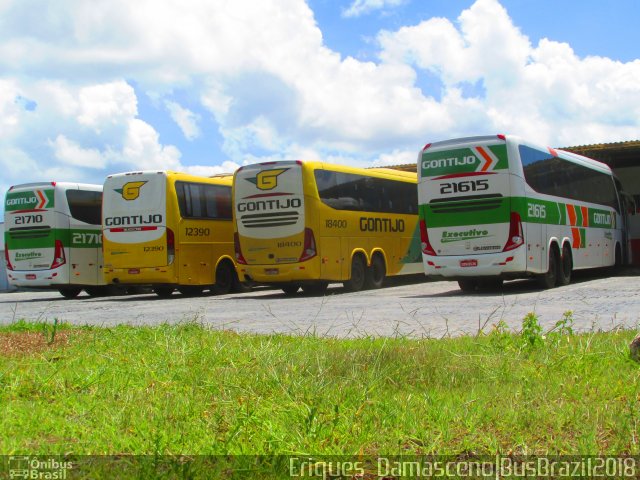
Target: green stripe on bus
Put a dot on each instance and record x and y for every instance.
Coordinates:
(414, 251)
(471, 212)
(465, 212)
(45, 238)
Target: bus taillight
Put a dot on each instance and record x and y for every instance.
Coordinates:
(59, 258)
(427, 249)
(6, 259)
(236, 246)
(516, 235)
(309, 249)
(171, 246)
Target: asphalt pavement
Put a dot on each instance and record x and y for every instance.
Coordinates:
(412, 307)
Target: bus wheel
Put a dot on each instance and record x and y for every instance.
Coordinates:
(70, 292)
(190, 290)
(618, 259)
(224, 279)
(468, 284)
(375, 273)
(549, 279)
(491, 284)
(290, 289)
(358, 275)
(240, 287)
(566, 266)
(163, 292)
(318, 288)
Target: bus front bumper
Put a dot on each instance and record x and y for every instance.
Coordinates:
(510, 264)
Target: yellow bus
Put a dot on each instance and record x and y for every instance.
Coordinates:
(169, 230)
(306, 224)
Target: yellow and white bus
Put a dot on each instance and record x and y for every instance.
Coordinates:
(169, 230)
(53, 238)
(306, 224)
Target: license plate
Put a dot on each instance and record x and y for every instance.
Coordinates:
(468, 263)
(31, 276)
(134, 271)
(271, 271)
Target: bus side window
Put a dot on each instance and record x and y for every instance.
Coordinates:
(85, 205)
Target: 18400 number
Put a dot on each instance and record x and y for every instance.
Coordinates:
(336, 224)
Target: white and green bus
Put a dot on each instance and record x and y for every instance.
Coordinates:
(498, 207)
(53, 237)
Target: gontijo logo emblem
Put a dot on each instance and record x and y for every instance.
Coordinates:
(130, 190)
(267, 179)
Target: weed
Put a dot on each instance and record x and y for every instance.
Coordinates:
(532, 330)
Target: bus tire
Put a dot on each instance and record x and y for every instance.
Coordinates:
(317, 288)
(566, 266)
(618, 258)
(468, 285)
(491, 284)
(163, 292)
(375, 273)
(70, 292)
(224, 278)
(240, 287)
(358, 275)
(290, 289)
(549, 279)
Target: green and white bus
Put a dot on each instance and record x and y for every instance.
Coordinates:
(53, 237)
(498, 207)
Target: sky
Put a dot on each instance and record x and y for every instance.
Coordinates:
(94, 87)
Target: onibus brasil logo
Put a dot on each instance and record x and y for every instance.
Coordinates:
(130, 190)
(267, 179)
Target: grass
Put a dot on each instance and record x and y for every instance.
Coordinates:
(184, 389)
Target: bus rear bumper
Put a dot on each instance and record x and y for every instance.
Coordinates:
(141, 276)
(38, 279)
(504, 264)
(279, 274)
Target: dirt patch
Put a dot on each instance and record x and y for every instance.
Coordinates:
(17, 344)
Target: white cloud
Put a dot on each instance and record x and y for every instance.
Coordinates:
(143, 151)
(210, 170)
(361, 7)
(543, 92)
(70, 153)
(185, 118)
(104, 104)
(396, 157)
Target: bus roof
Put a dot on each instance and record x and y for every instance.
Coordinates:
(64, 185)
(222, 178)
(573, 157)
(386, 171)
